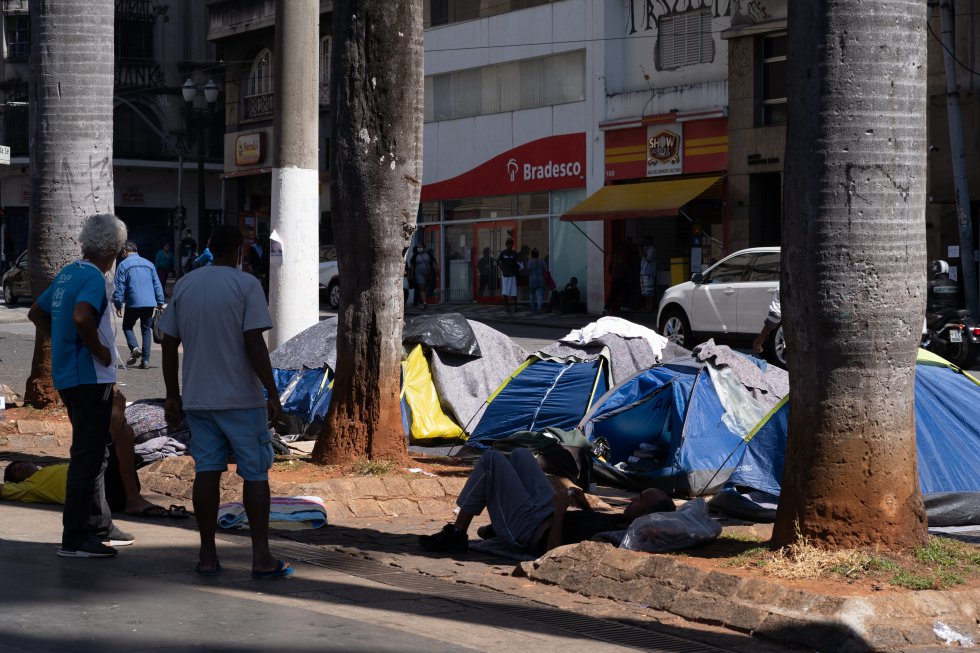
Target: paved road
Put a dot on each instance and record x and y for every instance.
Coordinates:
(149, 599)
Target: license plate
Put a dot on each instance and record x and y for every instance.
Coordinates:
(956, 335)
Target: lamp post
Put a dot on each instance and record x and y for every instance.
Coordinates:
(199, 118)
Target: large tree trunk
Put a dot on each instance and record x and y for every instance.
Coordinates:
(71, 145)
(376, 103)
(853, 260)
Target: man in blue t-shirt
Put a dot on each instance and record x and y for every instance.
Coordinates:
(73, 311)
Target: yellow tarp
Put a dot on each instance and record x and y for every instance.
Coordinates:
(428, 420)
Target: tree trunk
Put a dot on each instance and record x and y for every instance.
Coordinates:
(376, 99)
(71, 145)
(853, 261)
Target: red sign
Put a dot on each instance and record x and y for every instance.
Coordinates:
(552, 163)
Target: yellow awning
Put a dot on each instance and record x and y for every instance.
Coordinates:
(652, 199)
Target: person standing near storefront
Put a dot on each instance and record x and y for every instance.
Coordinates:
(188, 250)
(508, 264)
(535, 280)
(164, 263)
(422, 270)
(648, 274)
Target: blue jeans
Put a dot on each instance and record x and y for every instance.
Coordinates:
(145, 316)
(537, 299)
(514, 491)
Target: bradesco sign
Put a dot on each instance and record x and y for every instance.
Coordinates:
(552, 163)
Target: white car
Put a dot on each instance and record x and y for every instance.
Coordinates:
(329, 277)
(728, 301)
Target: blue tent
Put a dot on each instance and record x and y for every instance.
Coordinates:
(947, 434)
(542, 392)
(667, 423)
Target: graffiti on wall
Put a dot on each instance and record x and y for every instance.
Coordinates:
(645, 15)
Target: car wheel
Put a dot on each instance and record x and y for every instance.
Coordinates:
(777, 347)
(333, 294)
(961, 354)
(675, 327)
(9, 298)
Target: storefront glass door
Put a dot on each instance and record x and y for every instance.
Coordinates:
(490, 239)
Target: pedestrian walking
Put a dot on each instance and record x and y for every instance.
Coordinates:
(509, 267)
(188, 251)
(74, 313)
(226, 367)
(164, 263)
(138, 288)
(535, 280)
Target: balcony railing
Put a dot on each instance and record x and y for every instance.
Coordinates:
(259, 106)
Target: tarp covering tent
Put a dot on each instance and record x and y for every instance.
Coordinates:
(947, 432)
(540, 393)
(676, 426)
(427, 423)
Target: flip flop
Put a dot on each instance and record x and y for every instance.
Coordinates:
(159, 512)
(209, 572)
(282, 570)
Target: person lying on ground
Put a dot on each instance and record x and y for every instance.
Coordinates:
(29, 483)
(527, 513)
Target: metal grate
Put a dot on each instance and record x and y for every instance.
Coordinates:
(605, 630)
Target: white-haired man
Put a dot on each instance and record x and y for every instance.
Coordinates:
(74, 312)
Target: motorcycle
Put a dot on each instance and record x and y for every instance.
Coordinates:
(954, 335)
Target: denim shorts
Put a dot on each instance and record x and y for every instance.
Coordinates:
(244, 430)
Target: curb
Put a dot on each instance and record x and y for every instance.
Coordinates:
(756, 605)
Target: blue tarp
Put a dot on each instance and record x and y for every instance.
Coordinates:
(545, 393)
(310, 397)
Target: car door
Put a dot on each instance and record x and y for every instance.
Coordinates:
(20, 284)
(714, 302)
(756, 292)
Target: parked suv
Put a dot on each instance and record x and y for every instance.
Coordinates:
(728, 301)
(15, 284)
(329, 277)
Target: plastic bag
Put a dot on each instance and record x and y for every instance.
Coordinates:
(157, 331)
(688, 526)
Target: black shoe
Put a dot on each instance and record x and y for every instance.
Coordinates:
(117, 537)
(486, 532)
(134, 356)
(448, 540)
(91, 548)
(144, 366)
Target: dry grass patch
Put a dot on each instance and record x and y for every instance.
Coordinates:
(940, 564)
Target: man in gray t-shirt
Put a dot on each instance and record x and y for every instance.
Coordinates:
(219, 314)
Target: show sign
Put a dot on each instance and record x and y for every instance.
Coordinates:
(551, 163)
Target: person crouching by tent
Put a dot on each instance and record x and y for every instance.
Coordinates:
(527, 513)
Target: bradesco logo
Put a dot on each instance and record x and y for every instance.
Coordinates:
(549, 170)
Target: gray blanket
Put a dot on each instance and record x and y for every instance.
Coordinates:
(312, 348)
(155, 439)
(766, 387)
(626, 356)
(464, 383)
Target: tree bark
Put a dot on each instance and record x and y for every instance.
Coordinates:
(376, 95)
(853, 280)
(71, 145)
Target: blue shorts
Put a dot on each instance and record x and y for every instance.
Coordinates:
(244, 430)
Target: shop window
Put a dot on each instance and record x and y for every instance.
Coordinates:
(772, 79)
(134, 38)
(526, 84)
(325, 44)
(258, 91)
(685, 39)
(18, 31)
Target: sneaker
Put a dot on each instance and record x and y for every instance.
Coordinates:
(448, 540)
(89, 549)
(134, 356)
(118, 537)
(144, 366)
(486, 532)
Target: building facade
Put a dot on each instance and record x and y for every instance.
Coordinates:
(156, 140)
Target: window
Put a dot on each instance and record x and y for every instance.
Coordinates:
(18, 36)
(526, 84)
(134, 38)
(325, 44)
(444, 12)
(729, 271)
(132, 138)
(765, 267)
(258, 92)
(685, 39)
(773, 79)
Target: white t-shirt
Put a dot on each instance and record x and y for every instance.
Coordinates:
(211, 309)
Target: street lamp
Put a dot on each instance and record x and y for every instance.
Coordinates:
(200, 119)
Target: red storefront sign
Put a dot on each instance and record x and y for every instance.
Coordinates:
(704, 148)
(552, 163)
